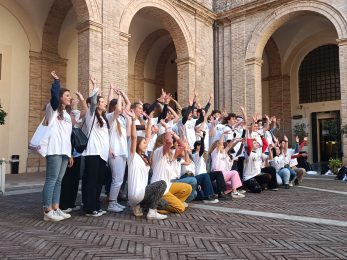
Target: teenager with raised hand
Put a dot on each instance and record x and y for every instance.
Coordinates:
(58, 150)
(220, 162)
(164, 165)
(277, 160)
(118, 148)
(96, 154)
(71, 179)
(142, 196)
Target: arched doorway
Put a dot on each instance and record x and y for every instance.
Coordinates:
(285, 33)
(160, 52)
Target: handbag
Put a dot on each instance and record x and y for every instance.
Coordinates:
(79, 140)
(40, 139)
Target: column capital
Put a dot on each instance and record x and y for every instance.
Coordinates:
(124, 36)
(342, 41)
(254, 61)
(89, 25)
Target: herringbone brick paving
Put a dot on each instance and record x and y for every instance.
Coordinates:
(196, 234)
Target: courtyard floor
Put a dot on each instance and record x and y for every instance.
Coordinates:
(305, 222)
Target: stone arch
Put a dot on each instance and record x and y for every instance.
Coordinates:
(279, 87)
(170, 18)
(139, 65)
(160, 70)
(285, 12)
(25, 21)
(87, 10)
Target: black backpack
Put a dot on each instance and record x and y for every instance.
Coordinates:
(342, 173)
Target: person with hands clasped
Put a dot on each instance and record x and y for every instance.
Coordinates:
(58, 150)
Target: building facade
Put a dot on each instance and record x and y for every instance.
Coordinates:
(261, 54)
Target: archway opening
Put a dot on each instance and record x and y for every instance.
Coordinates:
(156, 45)
(283, 55)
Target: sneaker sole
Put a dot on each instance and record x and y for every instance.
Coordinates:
(91, 215)
(52, 220)
(154, 218)
(114, 210)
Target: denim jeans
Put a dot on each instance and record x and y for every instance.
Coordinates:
(193, 182)
(292, 173)
(284, 175)
(204, 181)
(55, 170)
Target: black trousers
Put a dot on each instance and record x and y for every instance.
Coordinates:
(272, 171)
(92, 181)
(240, 166)
(257, 183)
(219, 186)
(108, 180)
(69, 185)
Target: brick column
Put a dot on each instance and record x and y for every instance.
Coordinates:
(252, 90)
(89, 54)
(343, 84)
(185, 80)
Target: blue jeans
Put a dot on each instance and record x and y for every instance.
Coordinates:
(206, 186)
(292, 173)
(55, 170)
(284, 173)
(193, 182)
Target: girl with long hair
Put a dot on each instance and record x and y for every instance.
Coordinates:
(96, 154)
(58, 150)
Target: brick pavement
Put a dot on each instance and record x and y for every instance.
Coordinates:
(196, 234)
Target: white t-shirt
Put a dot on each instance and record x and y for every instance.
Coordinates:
(163, 167)
(99, 140)
(59, 142)
(200, 164)
(118, 143)
(277, 162)
(137, 179)
(140, 133)
(218, 160)
(188, 168)
(207, 139)
(151, 142)
(189, 128)
(252, 165)
(219, 131)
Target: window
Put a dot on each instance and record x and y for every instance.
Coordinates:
(319, 75)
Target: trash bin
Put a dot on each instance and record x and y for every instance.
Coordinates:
(14, 162)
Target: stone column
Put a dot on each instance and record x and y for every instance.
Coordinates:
(89, 54)
(343, 85)
(252, 89)
(185, 80)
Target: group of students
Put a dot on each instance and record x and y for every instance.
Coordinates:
(166, 160)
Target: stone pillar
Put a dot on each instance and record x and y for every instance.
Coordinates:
(185, 80)
(252, 90)
(89, 55)
(343, 85)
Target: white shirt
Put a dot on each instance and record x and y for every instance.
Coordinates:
(189, 128)
(207, 139)
(219, 130)
(137, 179)
(151, 142)
(277, 162)
(99, 140)
(200, 164)
(163, 167)
(188, 168)
(118, 143)
(218, 160)
(252, 165)
(140, 133)
(59, 142)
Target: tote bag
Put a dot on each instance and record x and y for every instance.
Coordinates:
(79, 140)
(40, 139)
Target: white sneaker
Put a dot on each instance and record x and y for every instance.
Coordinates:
(59, 212)
(237, 195)
(241, 191)
(137, 211)
(103, 212)
(76, 208)
(153, 214)
(212, 201)
(51, 216)
(185, 204)
(68, 210)
(112, 207)
(291, 184)
(120, 206)
(94, 214)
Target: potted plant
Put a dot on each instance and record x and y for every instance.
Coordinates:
(300, 130)
(335, 165)
(3, 114)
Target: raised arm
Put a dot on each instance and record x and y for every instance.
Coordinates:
(178, 106)
(94, 96)
(133, 135)
(55, 91)
(84, 104)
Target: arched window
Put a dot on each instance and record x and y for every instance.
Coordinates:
(319, 75)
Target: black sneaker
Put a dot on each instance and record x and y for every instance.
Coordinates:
(94, 214)
(286, 186)
(222, 196)
(296, 182)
